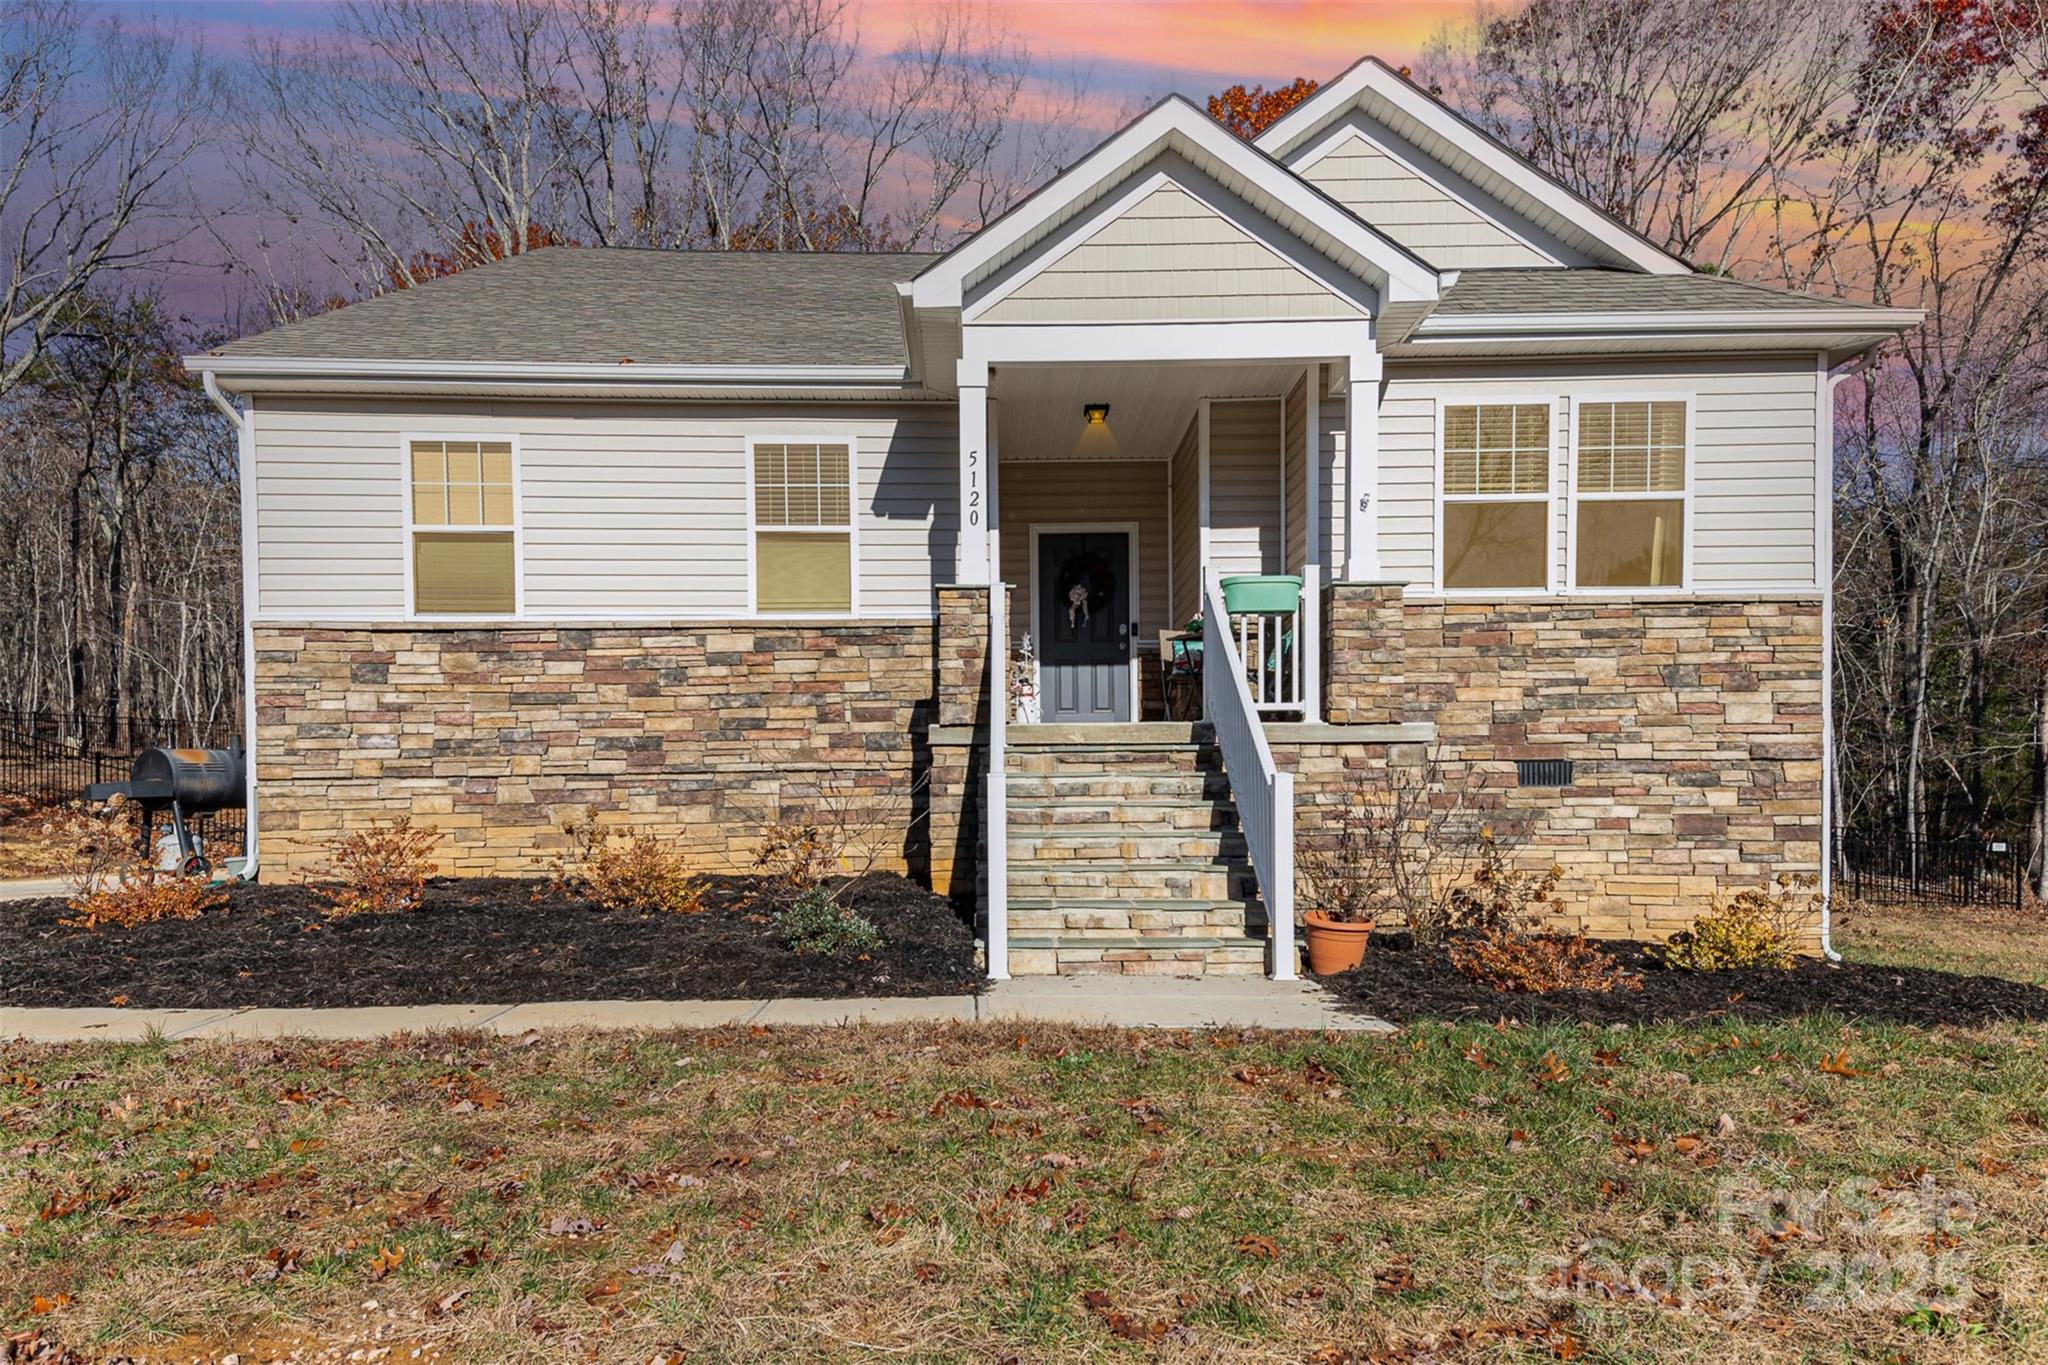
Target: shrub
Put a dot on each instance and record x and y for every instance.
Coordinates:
(145, 895)
(1396, 850)
(382, 870)
(1498, 916)
(638, 872)
(1500, 898)
(814, 924)
(1536, 964)
(1759, 926)
(795, 856)
(94, 846)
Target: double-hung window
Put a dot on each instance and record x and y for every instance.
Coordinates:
(803, 526)
(464, 544)
(1629, 503)
(1496, 496)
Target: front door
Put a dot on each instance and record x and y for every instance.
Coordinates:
(1084, 620)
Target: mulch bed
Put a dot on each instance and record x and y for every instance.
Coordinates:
(483, 941)
(1401, 983)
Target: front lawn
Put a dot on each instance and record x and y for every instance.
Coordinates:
(1807, 1189)
(478, 941)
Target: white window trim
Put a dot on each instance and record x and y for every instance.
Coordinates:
(1497, 398)
(518, 527)
(1685, 496)
(852, 527)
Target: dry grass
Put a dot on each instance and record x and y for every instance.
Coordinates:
(977, 1193)
(1977, 940)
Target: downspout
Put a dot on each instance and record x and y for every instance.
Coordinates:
(245, 472)
(1824, 536)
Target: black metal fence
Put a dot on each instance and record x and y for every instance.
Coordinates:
(1933, 872)
(44, 759)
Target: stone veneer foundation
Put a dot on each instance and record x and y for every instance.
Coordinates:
(1694, 725)
(495, 735)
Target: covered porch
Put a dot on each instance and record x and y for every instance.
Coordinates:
(1114, 487)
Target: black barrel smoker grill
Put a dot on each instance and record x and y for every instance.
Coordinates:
(186, 782)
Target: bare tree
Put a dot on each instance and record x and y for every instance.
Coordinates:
(420, 130)
(99, 121)
(430, 133)
(1676, 116)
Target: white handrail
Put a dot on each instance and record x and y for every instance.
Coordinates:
(996, 807)
(1264, 795)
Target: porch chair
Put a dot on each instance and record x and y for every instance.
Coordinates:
(1180, 673)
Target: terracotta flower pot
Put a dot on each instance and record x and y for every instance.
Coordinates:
(1335, 945)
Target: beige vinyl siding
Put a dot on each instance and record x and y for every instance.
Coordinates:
(1054, 492)
(1332, 439)
(1244, 486)
(626, 509)
(1414, 210)
(1169, 257)
(1294, 439)
(1185, 477)
(1753, 458)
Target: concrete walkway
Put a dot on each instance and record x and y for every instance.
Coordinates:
(1117, 1002)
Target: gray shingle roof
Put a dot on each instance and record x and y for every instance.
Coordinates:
(588, 305)
(1552, 290)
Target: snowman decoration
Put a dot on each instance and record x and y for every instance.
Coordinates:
(1024, 704)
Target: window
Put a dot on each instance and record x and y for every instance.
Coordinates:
(1496, 496)
(803, 527)
(463, 541)
(1631, 495)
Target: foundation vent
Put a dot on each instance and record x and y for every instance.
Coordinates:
(1543, 772)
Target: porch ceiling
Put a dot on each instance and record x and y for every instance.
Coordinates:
(1039, 406)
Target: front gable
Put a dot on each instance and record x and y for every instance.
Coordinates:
(1423, 204)
(1170, 246)
(1228, 208)
(1485, 181)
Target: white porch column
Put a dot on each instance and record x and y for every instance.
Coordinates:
(1362, 468)
(971, 562)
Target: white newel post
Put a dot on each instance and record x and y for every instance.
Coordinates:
(971, 558)
(1362, 469)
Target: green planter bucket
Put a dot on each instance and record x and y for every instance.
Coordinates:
(1261, 594)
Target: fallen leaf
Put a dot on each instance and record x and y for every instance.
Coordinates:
(385, 1261)
(50, 1304)
(1258, 1248)
(1837, 1064)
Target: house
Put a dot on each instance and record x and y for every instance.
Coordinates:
(699, 541)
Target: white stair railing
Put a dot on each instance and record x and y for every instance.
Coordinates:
(996, 803)
(1264, 795)
(1279, 650)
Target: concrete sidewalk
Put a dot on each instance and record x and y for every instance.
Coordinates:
(1116, 1002)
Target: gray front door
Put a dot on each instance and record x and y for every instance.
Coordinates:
(1084, 616)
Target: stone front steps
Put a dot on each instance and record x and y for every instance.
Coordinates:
(1126, 857)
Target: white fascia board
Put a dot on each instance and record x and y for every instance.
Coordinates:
(1176, 125)
(1370, 76)
(487, 371)
(1522, 325)
(1275, 340)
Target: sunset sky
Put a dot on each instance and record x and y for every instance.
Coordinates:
(1126, 52)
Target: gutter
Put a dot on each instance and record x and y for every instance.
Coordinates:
(1824, 421)
(1541, 326)
(304, 367)
(245, 467)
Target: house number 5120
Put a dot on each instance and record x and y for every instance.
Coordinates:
(974, 488)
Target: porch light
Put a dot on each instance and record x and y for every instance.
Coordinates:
(1096, 413)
